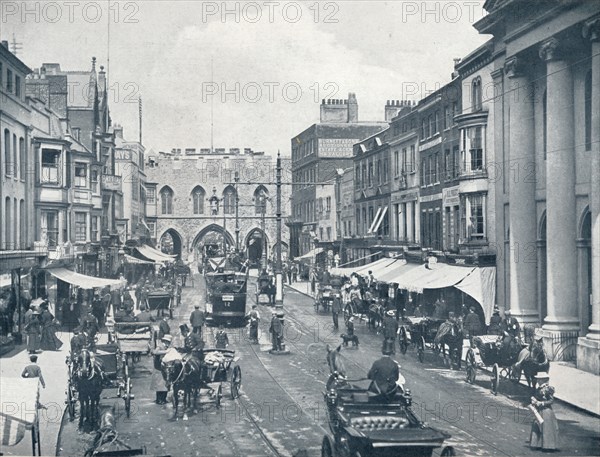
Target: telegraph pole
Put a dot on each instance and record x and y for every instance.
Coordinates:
(237, 214)
(278, 265)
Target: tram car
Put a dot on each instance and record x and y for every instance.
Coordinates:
(226, 297)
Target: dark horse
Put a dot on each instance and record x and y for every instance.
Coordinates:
(531, 361)
(183, 375)
(450, 334)
(88, 376)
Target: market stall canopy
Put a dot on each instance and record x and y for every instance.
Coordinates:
(437, 276)
(481, 285)
(83, 281)
(153, 254)
(363, 269)
(396, 271)
(19, 397)
(135, 260)
(157, 252)
(310, 254)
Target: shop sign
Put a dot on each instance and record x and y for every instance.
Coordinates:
(111, 182)
(450, 196)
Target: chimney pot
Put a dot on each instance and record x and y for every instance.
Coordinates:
(5, 44)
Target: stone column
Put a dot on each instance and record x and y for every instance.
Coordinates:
(588, 348)
(560, 193)
(523, 274)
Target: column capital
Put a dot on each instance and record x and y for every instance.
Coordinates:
(591, 29)
(549, 50)
(513, 67)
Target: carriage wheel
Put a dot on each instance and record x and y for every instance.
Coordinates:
(236, 382)
(218, 396)
(471, 366)
(70, 403)
(326, 450)
(348, 312)
(421, 349)
(495, 378)
(448, 452)
(127, 397)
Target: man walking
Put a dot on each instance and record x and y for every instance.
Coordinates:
(336, 308)
(390, 330)
(33, 370)
(197, 319)
(276, 331)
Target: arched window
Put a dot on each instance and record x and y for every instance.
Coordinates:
(15, 156)
(476, 94)
(6, 159)
(588, 111)
(260, 200)
(198, 195)
(229, 200)
(166, 200)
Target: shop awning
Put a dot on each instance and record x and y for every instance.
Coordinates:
(311, 254)
(157, 252)
(136, 261)
(374, 221)
(153, 254)
(22, 395)
(397, 270)
(380, 220)
(362, 269)
(481, 285)
(437, 277)
(83, 281)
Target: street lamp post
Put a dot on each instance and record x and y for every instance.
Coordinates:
(237, 215)
(338, 210)
(278, 263)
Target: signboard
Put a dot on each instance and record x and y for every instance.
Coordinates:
(122, 154)
(450, 196)
(336, 147)
(111, 182)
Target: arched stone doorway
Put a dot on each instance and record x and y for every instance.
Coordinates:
(584, 273)
(212, 239)
(542, 269)
(256, 244)
(284, 252)
(171, 243)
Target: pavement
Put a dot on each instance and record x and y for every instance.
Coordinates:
(52, 397)
(575, 387)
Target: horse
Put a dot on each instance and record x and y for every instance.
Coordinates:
(531, 361)
(88, 376)
(450, 334)
(183, 375)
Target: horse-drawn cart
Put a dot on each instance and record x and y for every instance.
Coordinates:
(324, 298)
(499, 357)
(217, 367)
(365, 423)
(134, 339)
(419, 331)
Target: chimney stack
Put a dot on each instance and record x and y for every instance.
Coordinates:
(5, 44)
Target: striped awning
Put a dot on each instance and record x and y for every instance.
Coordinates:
(19, 397)
(135, 260)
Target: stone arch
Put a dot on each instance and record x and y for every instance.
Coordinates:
(256, 240)
(584, 268)
(171, 242)
(214, 234)
(585, 224)
(258, 192)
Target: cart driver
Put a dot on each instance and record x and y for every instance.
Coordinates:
(385, 373)
(192, 342)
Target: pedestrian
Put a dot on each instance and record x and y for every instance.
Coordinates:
(390, 329)
(33, 370)
(254, 318)
(472, 324)
(336, 309)
(32, 329)
(197, 319)
(221, 338)
(276, 330)
(157, 383)
(544, 429)
(294, 272)
(163, 328)
(313, 280)
(495, 321)
(48, 341)
(288, 270)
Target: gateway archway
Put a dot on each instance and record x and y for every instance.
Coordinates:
(212, 240)
(256, 243)
(171, 242)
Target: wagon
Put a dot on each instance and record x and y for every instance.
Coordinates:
(419, 332)
(324, 298)
(218, 367)
(365, 423)
(485, 352)
(135, 339)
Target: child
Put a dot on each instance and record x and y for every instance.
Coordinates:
(221, 338)
(33, 370)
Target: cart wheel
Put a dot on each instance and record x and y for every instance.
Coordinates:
(236, 382)
(421, 350)
(70, 403)
(471, 366)
(218, 396)
(326, 450)
(348, 312)
(495, 378)
(127, 397)
(448, 452)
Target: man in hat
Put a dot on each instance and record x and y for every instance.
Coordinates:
(276, 330)
(472, 323)
(33, 370)
(495, 321)
(336, 308)
(145, 315)
(90, 325)
(197, 319)
(157, 382)
(384, 373)
(77, 342)
(510, 324)
(390, 329)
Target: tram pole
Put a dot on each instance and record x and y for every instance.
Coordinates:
(278, 263)
(237, 215)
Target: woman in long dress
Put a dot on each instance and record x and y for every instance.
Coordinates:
(544, 435)
(49, 340)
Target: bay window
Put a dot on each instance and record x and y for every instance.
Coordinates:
(80, 227)
(80, 175)
(473, 150)
(473, 219)
(50, 166)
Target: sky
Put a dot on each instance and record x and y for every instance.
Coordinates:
(256, 70)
